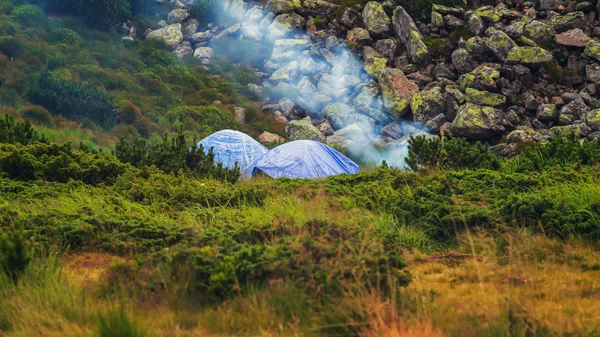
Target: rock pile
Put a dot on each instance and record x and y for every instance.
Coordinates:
(519, 71)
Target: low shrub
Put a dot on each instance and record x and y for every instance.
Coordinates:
(12, 131)
(452, 154)
(29, 15)
(14, 255)
(174, 155)
(53, 162)
(72, 99)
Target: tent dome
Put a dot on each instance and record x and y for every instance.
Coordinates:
(231, 147)
(303, 159)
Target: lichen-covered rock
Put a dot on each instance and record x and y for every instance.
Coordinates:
(184, 49)
(463, 61)
(452, 22)
(547, 113)
(592, 50)
(177, 15)
(592, 73)
(376, 20)
(171, 35)
(479, 122)
(482, 78)
(373, 61)
(489, 14)
(359, 36)
(205, 54)
(500, 44)
(572, 112)
(573, 38)
(579, 130)
(569, 21)
(284, 6)
(485, 98)
(304, 129)
(396, 90)
(286, 73)
(437, 19)
(477, 46)
(284, 24)
(529, 56)
(445, 10)
(409, 35)
(352, 17)
(288, 49)
(338, 114)
(476, 25)
(515, 30)
(539, 32)
(427, 104)
(387, 48)
(592, 118)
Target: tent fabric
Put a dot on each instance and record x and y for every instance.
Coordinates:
(231, 147)
(303, 159)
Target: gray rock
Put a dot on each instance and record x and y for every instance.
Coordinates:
(205, 54)
(572, 112)
(376, 20)
(171, 35)
(177, 16)
(463, 61)
(304, 129)
(500, 44)
(478, 122)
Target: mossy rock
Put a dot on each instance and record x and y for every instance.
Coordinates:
(479, 122)
(529, 56)
(485, 98)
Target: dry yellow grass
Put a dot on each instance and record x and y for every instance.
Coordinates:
(529, 284)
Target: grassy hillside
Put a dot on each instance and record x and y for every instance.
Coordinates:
(141, 89)
(139, 240)
(465, 246)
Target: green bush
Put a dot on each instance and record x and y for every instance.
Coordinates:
(53, 162)
(17, 132)
(452, 154)
(29, 15)
(210, 118)
(560, 151)
(11, 46)
(98, 13)
(14, 255)
(175, 155)
(71, 99)
(65, 35)
(316, 256)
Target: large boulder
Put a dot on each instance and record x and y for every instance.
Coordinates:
(484, 98)
(352, 17)
(476, 25)
(572, 112)
(396, 90)
(427, 104)
(359, 36)
(304, 129)
(482, 78)
(177, 15)
(592, 50)
(171, 35)
(500, 44)
(463, 61)
(408, 34)
(529, 56)
(539, 32)
(479, 122)
(205, 54)
(592, 119)
(569, 21)
(573, 38)
(376, 20)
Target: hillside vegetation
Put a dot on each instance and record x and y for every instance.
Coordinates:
(112, 222)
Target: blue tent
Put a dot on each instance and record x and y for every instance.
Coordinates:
(303, 159)
(231, 147)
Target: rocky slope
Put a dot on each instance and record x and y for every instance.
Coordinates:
(369, 76)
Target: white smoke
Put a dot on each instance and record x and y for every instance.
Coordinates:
(317, 77)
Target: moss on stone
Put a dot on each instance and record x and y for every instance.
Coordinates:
(484, 98)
